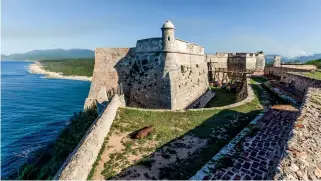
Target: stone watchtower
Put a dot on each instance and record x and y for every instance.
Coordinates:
(168, 36)
(277, 61)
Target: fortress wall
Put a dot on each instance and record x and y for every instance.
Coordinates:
(149, 89)
(236, 62)
(301, 82)
(185, 47)
(218, 61)
(251, 63)
(260, 62)
(296, 66)
(281, 71)
(149, 45)
(79, 163)
(106, 72)
(189, 80)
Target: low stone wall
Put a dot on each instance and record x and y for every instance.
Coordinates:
(298, 66)
(203, 100)
(281, 71)
(303, 156)
(300, 81)
(79, 163)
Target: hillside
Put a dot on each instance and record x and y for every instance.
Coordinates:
(50, 54)
(307, 58)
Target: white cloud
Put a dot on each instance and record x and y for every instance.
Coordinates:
(296, 51)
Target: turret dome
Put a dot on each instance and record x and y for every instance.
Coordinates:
(168, 25)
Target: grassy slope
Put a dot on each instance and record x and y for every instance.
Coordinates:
(80, 67)
(196, 123)
(45, 162)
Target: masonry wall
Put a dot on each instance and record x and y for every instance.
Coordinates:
(236, 62)
(260, 62)
(111, 67)
(218, 61)
(301, 82)
(149, 45)
(149, 88)
(186, 47)
(189, 78)
(79, 163)
(281, 71)
(295, 66)
(251, 62)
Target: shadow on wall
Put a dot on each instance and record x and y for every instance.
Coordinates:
(141, 75)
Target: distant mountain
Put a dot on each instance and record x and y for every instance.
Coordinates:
(51, 54)
(304, 59)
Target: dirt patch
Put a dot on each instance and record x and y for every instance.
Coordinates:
(114, 145)
(150, 167)
(285, 108)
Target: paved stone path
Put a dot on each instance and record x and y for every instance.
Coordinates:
(261, 153)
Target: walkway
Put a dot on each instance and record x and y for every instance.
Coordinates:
(260, 152)
(303, 158)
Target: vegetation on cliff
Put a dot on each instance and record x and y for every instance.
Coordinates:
(78, 67)
(45, 163)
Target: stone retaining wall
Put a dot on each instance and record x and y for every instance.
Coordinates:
(79, 163)
(281, 71)
(300, 81)
(203, 100)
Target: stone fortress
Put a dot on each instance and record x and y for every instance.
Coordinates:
(164, 72)
(168, 73)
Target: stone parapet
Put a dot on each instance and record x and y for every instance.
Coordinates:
(79, 163)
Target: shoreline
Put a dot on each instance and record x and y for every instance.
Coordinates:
(36, 68)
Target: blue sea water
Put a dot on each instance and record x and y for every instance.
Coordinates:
(33, 111)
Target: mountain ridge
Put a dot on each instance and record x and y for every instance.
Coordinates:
(58, 53)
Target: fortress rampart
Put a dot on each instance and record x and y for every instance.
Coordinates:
(163, 72)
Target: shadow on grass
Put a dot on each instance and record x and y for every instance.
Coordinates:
(45, 162)
(183, 168)
(222, 97)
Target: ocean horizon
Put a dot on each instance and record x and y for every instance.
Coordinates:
(33, 111)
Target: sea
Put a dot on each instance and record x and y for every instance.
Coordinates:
(33, 111)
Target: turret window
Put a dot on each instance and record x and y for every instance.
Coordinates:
(169, 38)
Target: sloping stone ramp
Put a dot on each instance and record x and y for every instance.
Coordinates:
(259, 153)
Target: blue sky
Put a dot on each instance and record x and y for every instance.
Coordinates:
(287, 27)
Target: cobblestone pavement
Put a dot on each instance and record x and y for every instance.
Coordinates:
(303, 158)
(261, 151)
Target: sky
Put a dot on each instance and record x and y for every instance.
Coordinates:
(286, 27)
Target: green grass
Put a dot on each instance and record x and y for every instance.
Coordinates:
(45, 162)
(316, 75)
(254, 80)
(222, 97)
(170, 127)
(79, 67)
